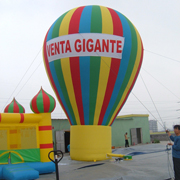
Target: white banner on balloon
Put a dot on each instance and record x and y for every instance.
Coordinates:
(85, 44)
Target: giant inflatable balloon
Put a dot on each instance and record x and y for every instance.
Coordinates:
(92, 55)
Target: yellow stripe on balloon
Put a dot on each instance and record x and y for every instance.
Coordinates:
(107, 28)
(64, 27)
(107, 23)
(69, 86)
(65, 64)
(103, 79)
(136, 65)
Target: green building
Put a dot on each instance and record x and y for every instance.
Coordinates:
(137, 127)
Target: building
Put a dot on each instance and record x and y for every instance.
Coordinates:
(153, 127)
(136, 126)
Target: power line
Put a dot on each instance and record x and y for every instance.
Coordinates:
(152, 101)
(29, 78)
(168, 161)
(21, 80)
(161, 83)
(162, 56)
(147, 109)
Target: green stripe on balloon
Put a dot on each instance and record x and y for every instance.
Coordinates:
(31, 106)
(96, 20)
(94, 80)
(96, 27)
(55, 32)
(11, 107)
(58, 69)
(129, 69)
(19, 106)
(60, 77)
(39, 101)
(42, 102)
(21, 109)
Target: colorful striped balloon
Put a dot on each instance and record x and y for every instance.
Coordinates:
(14, 107)
(92, 55)
(42, 102)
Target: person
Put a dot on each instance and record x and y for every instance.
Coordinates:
(126, 140)
(175, 150)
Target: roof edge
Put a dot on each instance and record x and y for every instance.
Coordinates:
(133, 115)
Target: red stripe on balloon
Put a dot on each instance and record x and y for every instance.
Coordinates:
(74, 64)
(46, 101)
(132, 83)
(34, 104)
(75, 74)
(75, 21)
(50, 102)
(117, 25)
(22, 118)
(51, 78)
(115, 64)
(6, 108)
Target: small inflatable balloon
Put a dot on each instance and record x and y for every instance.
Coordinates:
(14, 107)
(42, 102)
(92, 55)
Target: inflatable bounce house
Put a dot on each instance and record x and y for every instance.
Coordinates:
(26, 139)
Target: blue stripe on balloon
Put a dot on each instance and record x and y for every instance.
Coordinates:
(85, 21)
(85, 82)
(123, 66)
(49, 36)
(53, 72)
(85, 27)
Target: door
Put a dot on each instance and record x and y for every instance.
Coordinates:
(134, 136)
(139, 136)
(60, 141)
(67, 140)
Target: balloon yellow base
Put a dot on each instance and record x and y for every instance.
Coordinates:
(90, 143)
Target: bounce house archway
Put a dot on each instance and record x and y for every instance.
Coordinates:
(6, 155)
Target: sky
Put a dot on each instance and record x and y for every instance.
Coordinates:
(24, 23)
